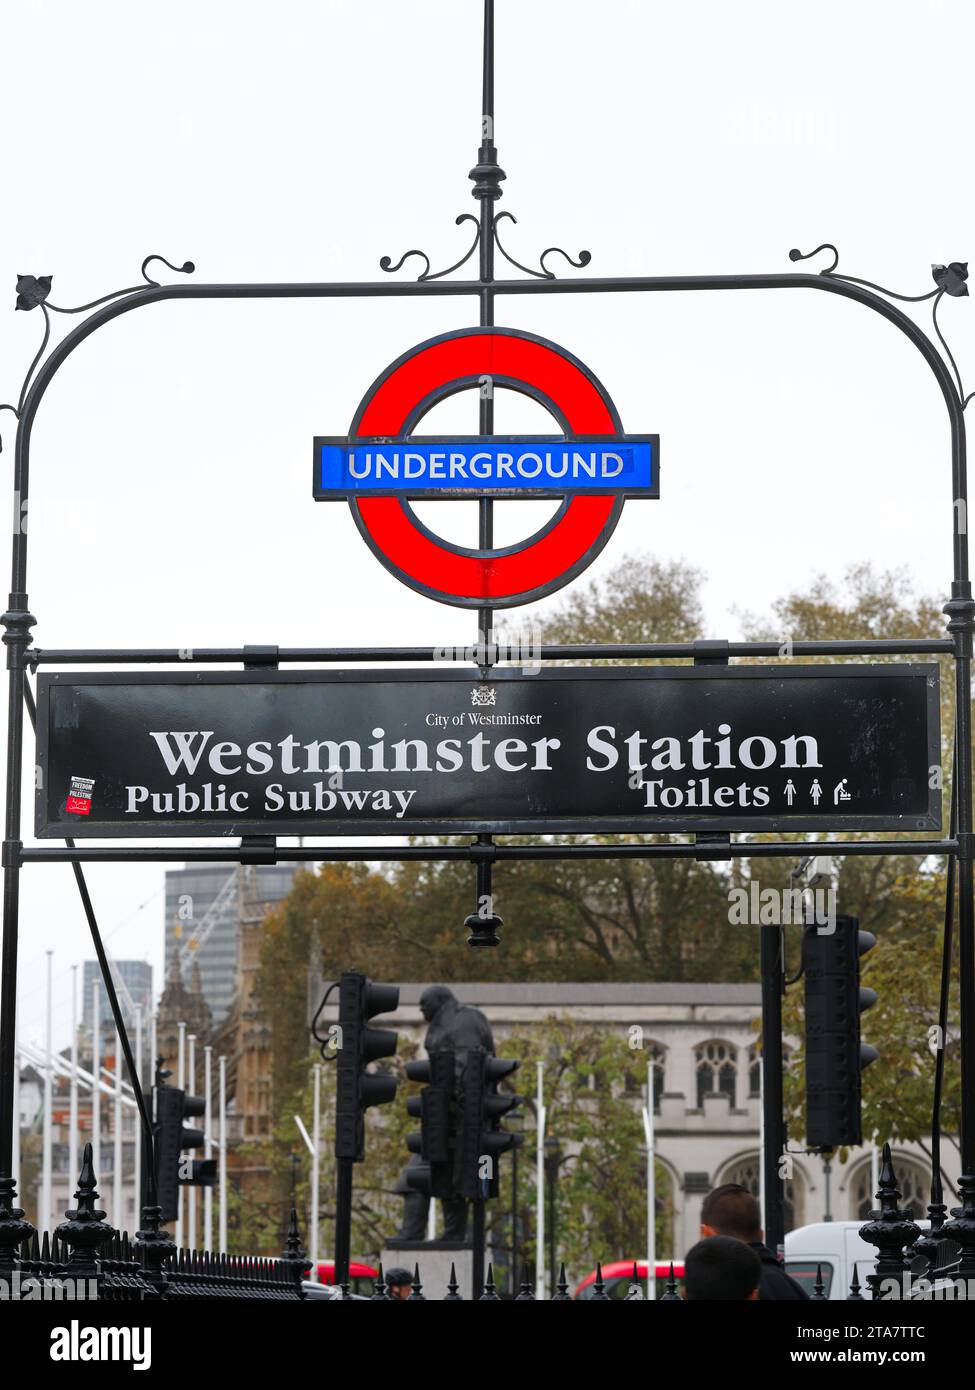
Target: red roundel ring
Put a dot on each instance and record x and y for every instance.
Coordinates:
(486, 578)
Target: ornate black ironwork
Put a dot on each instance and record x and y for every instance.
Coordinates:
(33, 292)
(155, 1247)
(490, 1294)
(562, 1294)
(670, 1294)
(85, 1229)
(855, 1296)
(14, 1229)
(294, 1258)
(526, 1293)
(543, 273)
(890, 1230)
(417, 1286)
(453, 1288)
(385, 262)
(948, 279)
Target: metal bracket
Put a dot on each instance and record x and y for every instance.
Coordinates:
(258, 849)
(257, 657)
(712, 652)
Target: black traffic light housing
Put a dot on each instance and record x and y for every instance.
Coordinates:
(483, 1107)
(172, 1138)
(434, 1107)
(357, 1089)
(835, 1056)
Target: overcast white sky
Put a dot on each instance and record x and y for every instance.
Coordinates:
(171, 500)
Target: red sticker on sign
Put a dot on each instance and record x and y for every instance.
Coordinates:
(79, 796)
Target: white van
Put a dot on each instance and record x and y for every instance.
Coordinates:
(836, 1246)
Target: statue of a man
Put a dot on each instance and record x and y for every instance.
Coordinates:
(453, 1025)
(457, 1027)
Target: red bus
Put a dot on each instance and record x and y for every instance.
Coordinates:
(618, 1275)
(362, 1278)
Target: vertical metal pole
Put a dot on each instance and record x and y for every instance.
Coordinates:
(96, 1083)
(222, 1234)
(137, 1130)
(316, 1135)
(117, 1141)
(477, 1251)
(961, 610)
(47, 1157)
(512, 1273)
(17, 623)
(343, 1219)
(15, 1136)
(208, 1145)
(540, 1183)
(761, 1141)
(191, 1194)
(486, 190)
(552, 1181)
(772, 1099)
(73, 1086)
(651, 1189)
(180, 1082)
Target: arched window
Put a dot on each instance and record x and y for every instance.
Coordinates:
(717, 1069)
(747, 1172)
(913, 1180)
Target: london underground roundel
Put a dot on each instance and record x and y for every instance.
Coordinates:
(591, 466)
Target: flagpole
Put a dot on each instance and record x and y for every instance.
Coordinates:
(207, 1145)
(315, 1160)
(191, 1195)
(73, 1085)
(137, 1133)
(46, 1203)
(223, 1156)
(180, 1082)
(117, 1144)
(96, 1090)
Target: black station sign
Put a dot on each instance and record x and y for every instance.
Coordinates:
(624, 750)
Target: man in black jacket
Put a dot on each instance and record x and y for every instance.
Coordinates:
(731, 1210)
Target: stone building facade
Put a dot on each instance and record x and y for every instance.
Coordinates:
(701, 1039)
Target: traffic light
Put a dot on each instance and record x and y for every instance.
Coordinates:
(835, 1056)
(482, 1140)
(172, 1138)
(357, 1089)
(434, 1108)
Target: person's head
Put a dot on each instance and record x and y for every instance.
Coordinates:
(731, 1210)
(721, 1268)
(433, 999)
(399, 1282)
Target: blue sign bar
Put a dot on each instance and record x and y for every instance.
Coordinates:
(537, 466)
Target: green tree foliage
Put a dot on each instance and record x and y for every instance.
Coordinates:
(902, 1026)
(642, 600)
(594, 1088)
